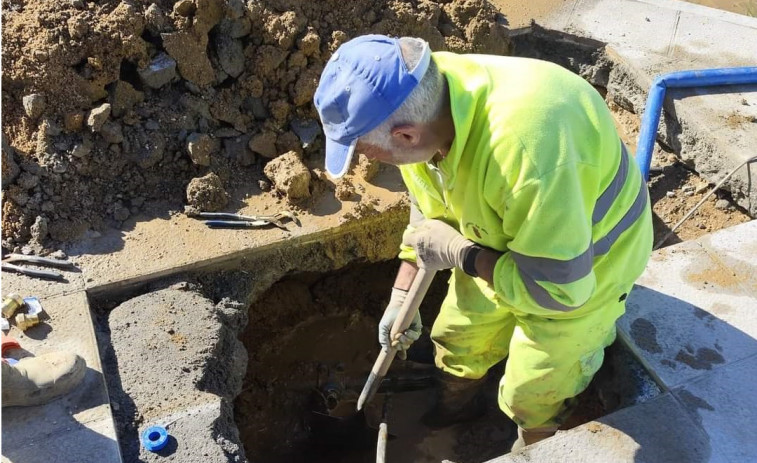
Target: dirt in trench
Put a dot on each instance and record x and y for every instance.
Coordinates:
(110, 106)
(311, 341)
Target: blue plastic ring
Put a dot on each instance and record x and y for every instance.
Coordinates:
(155, 438)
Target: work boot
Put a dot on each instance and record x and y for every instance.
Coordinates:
(528, 437)
(457, 402)
(37, 380)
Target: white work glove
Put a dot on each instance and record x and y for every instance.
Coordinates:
(403, 341)
(437, 245)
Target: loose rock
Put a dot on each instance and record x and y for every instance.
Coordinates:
(289, 175)
(124, 97)
(10, 167)
(201, 146)
(184, 8)
(722, 204)
(237, 148)
(40, 229)
(162, 70)
(82, 149)
(155, 20)
(189, 52)
(120, 212)
(34, 105)
(112, 132)
(73, 122)
(264, 144)
(230, 55)
(27, 181)
(207, 193)
(367, 168)
(98, 116)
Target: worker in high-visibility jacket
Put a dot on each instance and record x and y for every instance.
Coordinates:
(521, 185)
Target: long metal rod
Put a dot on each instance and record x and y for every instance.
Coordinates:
(693, 209)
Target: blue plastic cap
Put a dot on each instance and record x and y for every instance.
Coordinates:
(363, 83)
(155, 438)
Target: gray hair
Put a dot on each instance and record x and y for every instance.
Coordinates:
(424, 103)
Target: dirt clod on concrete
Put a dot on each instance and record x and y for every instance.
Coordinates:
(102, 100)
(206, 193)
(290, 176)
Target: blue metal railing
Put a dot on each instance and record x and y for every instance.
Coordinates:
(697, 78)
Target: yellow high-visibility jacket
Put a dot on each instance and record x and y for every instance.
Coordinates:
(537, 170)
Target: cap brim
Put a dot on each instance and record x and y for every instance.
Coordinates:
(338, 157)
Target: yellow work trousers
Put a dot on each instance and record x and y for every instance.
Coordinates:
(549, 360)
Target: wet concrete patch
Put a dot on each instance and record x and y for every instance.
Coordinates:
(703, 359)
(645, 334)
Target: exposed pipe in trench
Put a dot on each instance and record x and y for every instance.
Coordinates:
(680, 79)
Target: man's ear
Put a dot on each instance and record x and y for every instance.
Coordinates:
(406, 135)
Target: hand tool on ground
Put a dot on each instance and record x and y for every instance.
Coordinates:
(414, 298)
(228, 220)
(8, 264)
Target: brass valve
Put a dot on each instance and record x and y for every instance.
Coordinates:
(11, 304)
(24, 322)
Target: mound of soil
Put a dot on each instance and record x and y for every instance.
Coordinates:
(108, 105)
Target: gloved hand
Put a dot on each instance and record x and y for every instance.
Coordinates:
(385, 325)
(437, 245)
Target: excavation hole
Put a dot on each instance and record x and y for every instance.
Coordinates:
(311, 341)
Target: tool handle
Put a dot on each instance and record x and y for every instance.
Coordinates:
(413, 300)
(415, 296)
(38, 260)
(227, 224)
(44, 274)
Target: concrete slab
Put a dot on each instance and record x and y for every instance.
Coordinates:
(735, 249)
(169, 359)
(690, 313)
(78, 425)
(199, 434)
(659, 431)
(725, 405)
(89, 443)
(27, 286)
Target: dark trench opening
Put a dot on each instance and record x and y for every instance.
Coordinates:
(312, 340)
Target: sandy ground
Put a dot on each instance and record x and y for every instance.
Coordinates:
(520, 14)
(676, 190)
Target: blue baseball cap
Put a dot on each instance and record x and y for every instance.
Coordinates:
(363, 83)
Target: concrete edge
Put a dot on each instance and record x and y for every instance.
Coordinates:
(228, 260)
(702, 10)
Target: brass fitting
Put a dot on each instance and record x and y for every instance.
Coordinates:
(24, 322)
(11, 304)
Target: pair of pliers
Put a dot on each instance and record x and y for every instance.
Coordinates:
(9, 264)
(227, 220)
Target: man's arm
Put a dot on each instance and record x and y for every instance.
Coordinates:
(485, 261)
(405, 275)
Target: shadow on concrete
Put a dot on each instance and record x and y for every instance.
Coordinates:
(124, 409)
(67, 433)
(681, 93)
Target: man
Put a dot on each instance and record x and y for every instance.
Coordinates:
(520, 184)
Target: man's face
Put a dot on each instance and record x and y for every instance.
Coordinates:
(402, 150)
(395, 157)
